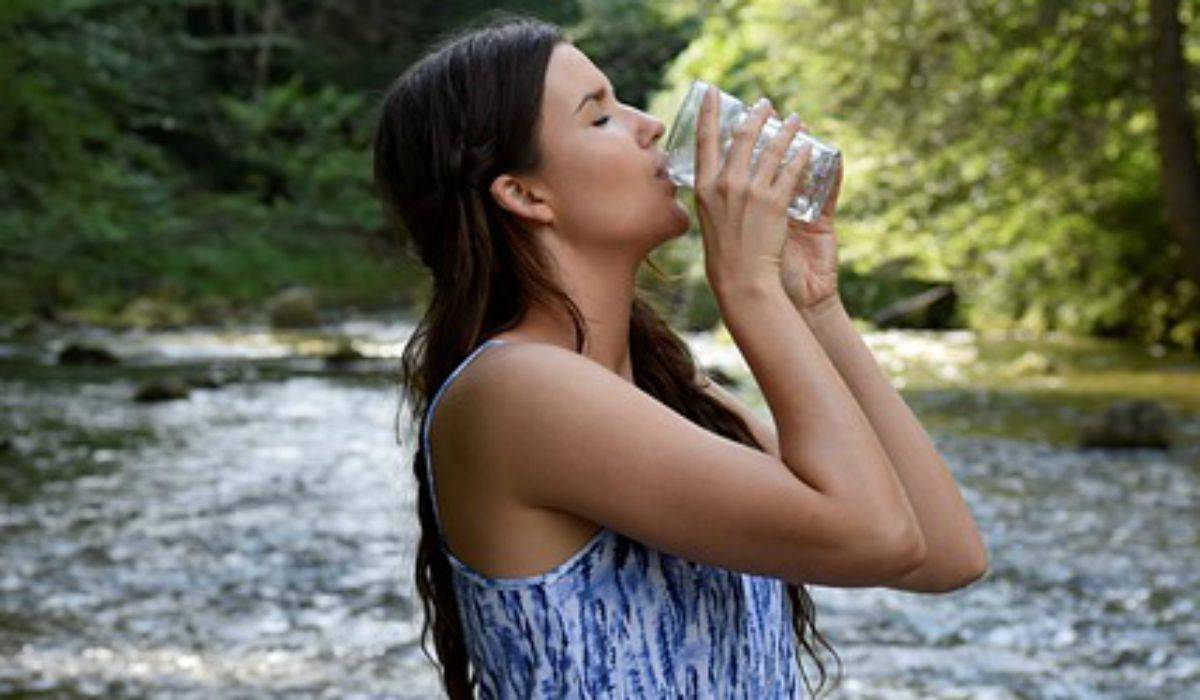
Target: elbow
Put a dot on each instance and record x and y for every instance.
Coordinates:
(978, 568)
(904, 551)
(973, 567)
(945, 579)
(960, 579)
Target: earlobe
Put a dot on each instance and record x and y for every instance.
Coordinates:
(516, 197)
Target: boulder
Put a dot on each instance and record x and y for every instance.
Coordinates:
(151, 313)
(1130, 423)
(343, 354)
(161, 390)
(294, 307)
(81, 354)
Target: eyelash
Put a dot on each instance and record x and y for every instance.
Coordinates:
(600, 121)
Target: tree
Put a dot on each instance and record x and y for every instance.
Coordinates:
(1179, 167)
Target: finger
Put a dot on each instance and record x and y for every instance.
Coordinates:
(772, 154)
(791, 176)
(707, 149)
(832, 197)
(737, 163)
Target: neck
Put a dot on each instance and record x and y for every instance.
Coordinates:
(602, 286)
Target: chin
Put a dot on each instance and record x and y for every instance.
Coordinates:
(675, 225)
(682, 221)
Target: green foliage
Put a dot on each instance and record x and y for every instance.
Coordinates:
(632, 41)
(309, 148)
(220, 148)
(1008, 146)
(128, 170)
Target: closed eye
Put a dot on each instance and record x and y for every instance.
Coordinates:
(601, 121)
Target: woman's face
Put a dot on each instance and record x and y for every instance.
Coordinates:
(602, 171)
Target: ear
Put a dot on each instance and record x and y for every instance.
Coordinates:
(521, 199)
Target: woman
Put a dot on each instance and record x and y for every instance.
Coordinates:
(598, 519)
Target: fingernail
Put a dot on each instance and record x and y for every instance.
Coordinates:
(792, 119)
(762, 102)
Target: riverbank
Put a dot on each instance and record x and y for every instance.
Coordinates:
(160, 283)
(1007, 384)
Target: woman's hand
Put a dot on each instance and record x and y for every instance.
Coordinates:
(743, 213)
(808, 269)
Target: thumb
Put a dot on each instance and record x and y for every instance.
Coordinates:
(832, 198)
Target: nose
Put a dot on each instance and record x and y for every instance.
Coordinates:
(654, 128)
(659, 129)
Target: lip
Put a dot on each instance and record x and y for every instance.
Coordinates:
(660, 170)
(664, 178)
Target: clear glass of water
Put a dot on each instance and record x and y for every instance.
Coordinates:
(815, 183)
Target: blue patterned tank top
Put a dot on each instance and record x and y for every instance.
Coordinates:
(619, 619)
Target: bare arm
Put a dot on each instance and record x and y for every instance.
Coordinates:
(824, 437)
(763, 431)
(956, 553)
(643, 470)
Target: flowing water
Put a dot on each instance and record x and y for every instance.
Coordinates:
(256, 538)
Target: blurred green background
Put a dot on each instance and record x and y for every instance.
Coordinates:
(162, 160)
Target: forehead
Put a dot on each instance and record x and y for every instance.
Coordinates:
(569, 76)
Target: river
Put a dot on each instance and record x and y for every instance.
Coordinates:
(255, 539)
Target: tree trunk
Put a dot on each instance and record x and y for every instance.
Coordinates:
(269, 22)
(1179, 169)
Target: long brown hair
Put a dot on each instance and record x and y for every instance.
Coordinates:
(461, 115)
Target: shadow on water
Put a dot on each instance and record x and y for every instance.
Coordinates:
(256, 537)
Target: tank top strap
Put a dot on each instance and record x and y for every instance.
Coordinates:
(425, 432)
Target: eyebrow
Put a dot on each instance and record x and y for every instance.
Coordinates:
(596, 95)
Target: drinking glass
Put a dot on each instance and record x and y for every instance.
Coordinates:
(814, 186)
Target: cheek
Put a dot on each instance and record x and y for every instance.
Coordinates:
(604, 192)
(609, 167)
